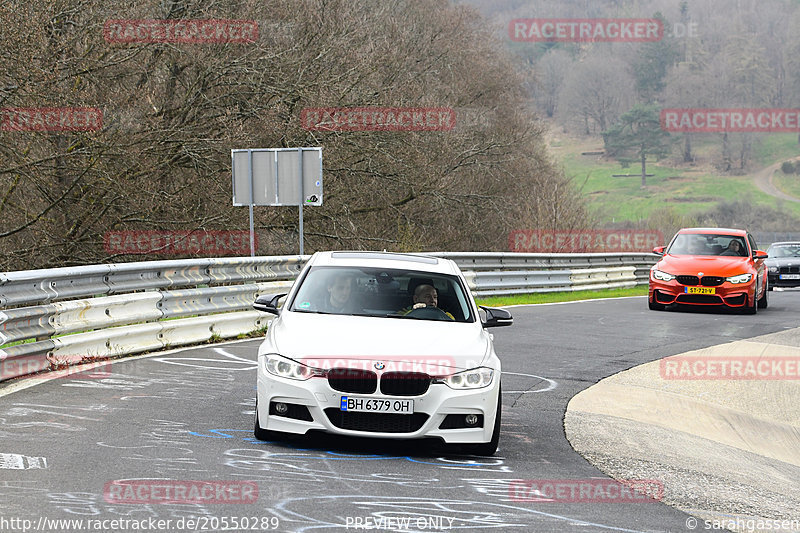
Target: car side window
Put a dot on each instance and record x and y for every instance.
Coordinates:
(752, 241)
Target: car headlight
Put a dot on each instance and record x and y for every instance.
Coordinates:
(741, 278)
(283, 367)
(773, 269)
(476, 378)
(663, 276)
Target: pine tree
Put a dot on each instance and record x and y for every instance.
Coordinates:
(638, 134)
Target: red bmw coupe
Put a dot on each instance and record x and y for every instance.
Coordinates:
(710, 266)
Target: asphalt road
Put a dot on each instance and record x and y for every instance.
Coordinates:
(188, 415)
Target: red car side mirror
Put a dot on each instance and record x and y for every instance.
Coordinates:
(659, 250)
(758, 254)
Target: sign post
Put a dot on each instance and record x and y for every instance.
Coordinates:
(277, 176)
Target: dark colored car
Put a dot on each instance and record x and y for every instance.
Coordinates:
(783, 264)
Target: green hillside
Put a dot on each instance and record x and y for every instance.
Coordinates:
(686, 190)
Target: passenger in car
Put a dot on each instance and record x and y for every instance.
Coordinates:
(340, 296)
(424, 296)
(734, 248)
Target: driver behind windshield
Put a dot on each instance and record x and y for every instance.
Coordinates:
(696, 247)
(424, 296)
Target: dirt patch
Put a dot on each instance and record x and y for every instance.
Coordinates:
(693, 199)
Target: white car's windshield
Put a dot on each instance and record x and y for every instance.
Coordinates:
(708, 244)
(382, 292)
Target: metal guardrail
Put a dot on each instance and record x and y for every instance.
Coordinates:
(505, 273)
(64, 315)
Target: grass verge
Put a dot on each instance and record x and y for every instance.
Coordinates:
(790, 184)
(568, 296)
(685, 190)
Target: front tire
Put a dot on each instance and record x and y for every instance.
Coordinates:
(264, 434)
(751, 309)
(763, 302)
(488, 448)
(654, 305)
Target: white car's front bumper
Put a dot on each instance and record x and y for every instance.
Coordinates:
(323, 404)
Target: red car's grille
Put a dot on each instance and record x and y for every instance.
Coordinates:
(699, 299)
(707, 281)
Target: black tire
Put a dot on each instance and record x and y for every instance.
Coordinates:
(751, 309)
(763, 302)
(488, 448)
(654, 305)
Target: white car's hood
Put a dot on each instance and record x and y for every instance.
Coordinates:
(319, 340)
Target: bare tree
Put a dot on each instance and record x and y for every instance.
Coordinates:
(172, 112)
(550, 72)
(597, 92)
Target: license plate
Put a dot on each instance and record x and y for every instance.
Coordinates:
(789, 276)
(700, 290)
(376, 405)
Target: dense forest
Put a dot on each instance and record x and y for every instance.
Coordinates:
(170, 113)
(166, 115)
(713, 54)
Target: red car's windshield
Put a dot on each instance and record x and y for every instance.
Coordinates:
(708, 244)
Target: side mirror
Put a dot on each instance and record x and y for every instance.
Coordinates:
(496, 317)
(758, 254)
(659, 250)
(268, 303)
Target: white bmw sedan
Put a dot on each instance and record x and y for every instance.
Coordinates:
(376, 344)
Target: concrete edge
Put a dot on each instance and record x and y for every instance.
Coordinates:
(705, 430)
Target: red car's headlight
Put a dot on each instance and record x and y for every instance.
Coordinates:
(661, 275)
